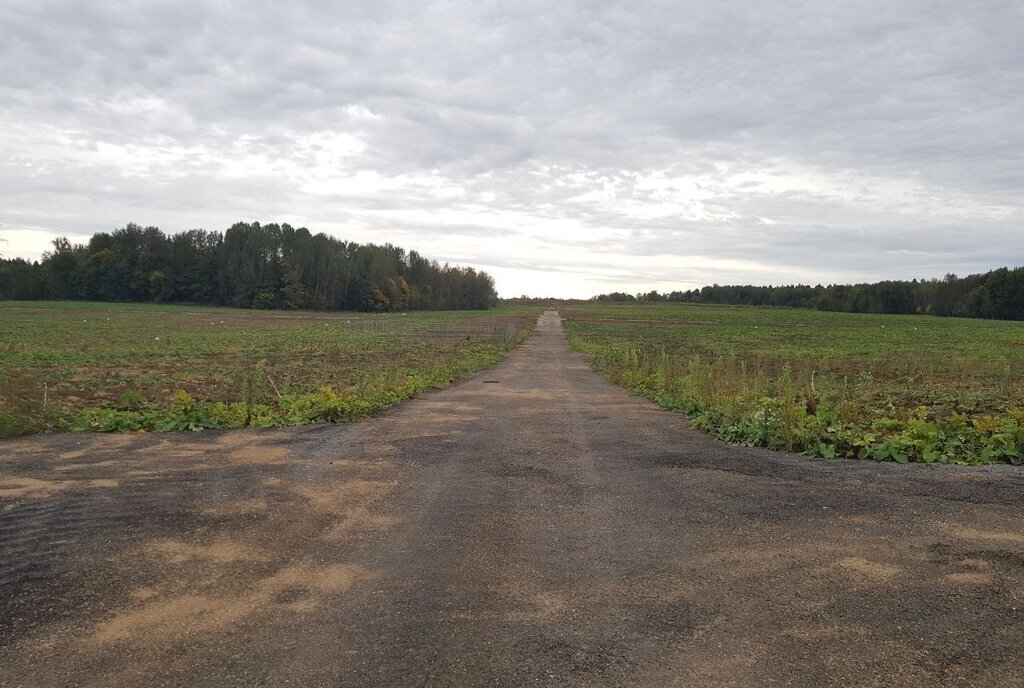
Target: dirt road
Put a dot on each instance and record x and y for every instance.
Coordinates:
(533, 525)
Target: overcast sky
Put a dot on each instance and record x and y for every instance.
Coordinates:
(568, 148)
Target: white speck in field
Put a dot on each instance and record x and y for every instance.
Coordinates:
(156, 338)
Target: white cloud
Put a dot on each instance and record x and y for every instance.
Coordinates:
(576, 147)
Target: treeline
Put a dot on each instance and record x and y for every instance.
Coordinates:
(249, 266)
(998, 294)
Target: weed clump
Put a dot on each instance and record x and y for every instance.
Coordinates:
(846, 391)
(123, 367)
(258, 409)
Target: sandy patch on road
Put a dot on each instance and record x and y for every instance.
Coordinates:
(668, 589)
(381, 449)
(31, 488)
(815, 633)
(238, 446)
(305, 586)
(111, 441)
(872, 570)
(168, 449)
(447, 406)
(241, 507)
(362, 464)
(968, 578)
(254, 448)
(81, 466)
(349, 500)
(143, 594)
(73, 454)
(330, 579)
(12, 487)
(524, 602)
(170, 618)
(260, 454)
(336, 498)
(220, 552)
(1005, 538)
(536, 606)
(428, 426)
(359, 519)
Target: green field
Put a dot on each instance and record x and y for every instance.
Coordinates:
(885, 387)
(102, 366)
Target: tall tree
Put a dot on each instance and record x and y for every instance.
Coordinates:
(249, 265)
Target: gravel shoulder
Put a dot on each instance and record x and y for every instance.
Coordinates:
(532, 525)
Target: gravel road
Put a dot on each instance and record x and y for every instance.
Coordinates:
(532, 525)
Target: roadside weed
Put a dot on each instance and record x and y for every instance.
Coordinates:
(885, 388)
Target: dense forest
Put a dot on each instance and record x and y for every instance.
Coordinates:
(249, 266)
(997, 294)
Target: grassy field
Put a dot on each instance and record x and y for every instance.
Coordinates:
(101, 366)
(902, 388)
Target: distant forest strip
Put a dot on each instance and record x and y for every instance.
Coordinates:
(248, 266)
(998, 294)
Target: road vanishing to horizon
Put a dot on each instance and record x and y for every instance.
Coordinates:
(532, 525)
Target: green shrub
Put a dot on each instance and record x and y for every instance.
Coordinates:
(722, 397)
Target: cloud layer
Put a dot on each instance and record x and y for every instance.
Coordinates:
(569, 148)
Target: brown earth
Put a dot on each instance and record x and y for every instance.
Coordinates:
(532, 525)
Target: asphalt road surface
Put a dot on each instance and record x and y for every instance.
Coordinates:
(530, 526)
